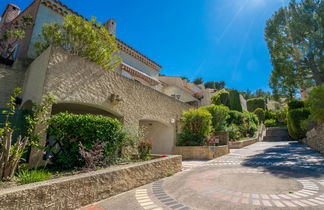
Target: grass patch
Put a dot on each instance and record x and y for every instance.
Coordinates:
(31, 176)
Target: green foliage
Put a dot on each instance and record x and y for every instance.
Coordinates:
(294, 37)
(270, 123)
(83, 38)
(9, 38)
(71, 130)
(221, 98)
(254, 103)
(295, 118)
(242, 124)
(315, 102)
(219, 116)
(144, 150)
(31, 176)
(215, 85)
(260, 113)
(295, 104)
(198, 81)
(234, 100)
(196, 126)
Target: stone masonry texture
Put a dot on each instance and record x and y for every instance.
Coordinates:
(315, 138)
(83, 189)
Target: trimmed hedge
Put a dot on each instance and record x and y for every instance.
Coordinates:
(254, 103)
(196, 125)
(295, 104)
(221, 98)
(295, 118)
(219, 116)
(315, 102)
(260, 113)
(234, 100)
(71, 129)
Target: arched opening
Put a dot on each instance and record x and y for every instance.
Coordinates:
(160, 135)
(81, 108)
(28, 105)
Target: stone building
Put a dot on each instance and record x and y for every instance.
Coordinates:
(129, 94)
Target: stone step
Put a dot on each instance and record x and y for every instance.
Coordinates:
(277, 134)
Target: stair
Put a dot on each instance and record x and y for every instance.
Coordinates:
(277, 134)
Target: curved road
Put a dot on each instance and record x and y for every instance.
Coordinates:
(265, 175)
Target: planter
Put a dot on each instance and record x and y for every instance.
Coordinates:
(83, 189)
(243, 143)
(201, 152)
(223, 137)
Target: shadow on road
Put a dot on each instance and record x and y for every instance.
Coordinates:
(288, 160)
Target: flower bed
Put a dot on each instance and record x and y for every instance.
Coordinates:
(79, 190)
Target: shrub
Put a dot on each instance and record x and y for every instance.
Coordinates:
(295, 104)
(71, 129)
(295, 118)
(80, 37)
(270, 123)
(244, 123)
(234, 100)
(254, 103)
(234, 132)
(315, 102)
(219, 116)
(144, 150)
(30, 176)
(260, 113)
(95, 157)
(196, 126)
(221, 98)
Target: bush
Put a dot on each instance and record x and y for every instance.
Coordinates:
(260, 113)
(144, 150)
(234, 132)
(196, 126)
(236, 117)
(254, 103)
(295, 104)
(234, 100)
(295, 118)
(219, 116)
(30, 176)
(270, 123)
(244, 123)
(71, 129)
(315, 102)
(221, 98)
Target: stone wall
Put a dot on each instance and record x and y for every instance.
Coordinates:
(201, 152)
(83, 189)
(243, 143)
(10, 78)
(315, 138)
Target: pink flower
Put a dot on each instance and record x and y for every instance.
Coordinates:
(164, 156)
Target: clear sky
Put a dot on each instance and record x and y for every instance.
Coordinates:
(213, 39)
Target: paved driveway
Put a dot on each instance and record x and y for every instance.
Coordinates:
(265, 175)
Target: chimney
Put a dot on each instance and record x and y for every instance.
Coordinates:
(110, 25)
(10, 13)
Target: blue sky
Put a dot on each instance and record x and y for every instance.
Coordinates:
(214, 39)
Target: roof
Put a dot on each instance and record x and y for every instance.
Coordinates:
(121, 45)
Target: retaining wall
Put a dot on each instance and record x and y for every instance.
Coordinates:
(79, 190)
(315, 138)
(201, 152)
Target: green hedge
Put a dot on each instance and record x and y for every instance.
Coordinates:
(295, 104)
(315, 102)
(196, 125)
(72, 129)
(295, 118)
(260, 113)
(219, 116)
(234, 100)
(221, 98)
(242, 124)
(254, 103)
(270, 123)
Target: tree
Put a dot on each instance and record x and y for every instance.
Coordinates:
(295, 39)
(215, 85)
(10, 38)
(198, 81)
(83, 38)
